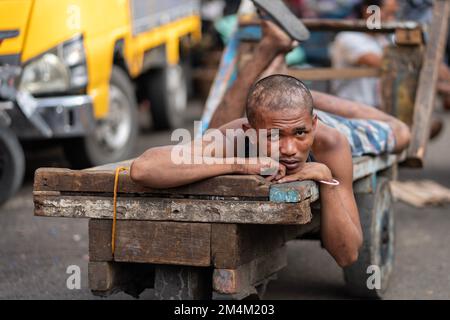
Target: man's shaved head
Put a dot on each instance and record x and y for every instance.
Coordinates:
(275, 93)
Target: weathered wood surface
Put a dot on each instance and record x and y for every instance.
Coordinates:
(99, 180)
(409, 37)
(151, 242)
(401, 68)
(233, 245)
(364, 166)
(338, 25)
(426, 93)
(293, 192)
(243, 280)
(102, 181)
(70, 193)
(164, 209)
(320, 74)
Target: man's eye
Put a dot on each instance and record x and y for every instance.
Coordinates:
(300, 133)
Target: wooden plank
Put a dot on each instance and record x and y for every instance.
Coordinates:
(420, 193)
(365, 185)
(297, 191)
(233, 245)
(106, 278)
(54, 203)
(338, 25)
(426, 93)
(151, 242)
(318, 74)
(111, 166)
(166, 209)
(102, 181)
(401, 68)
(364, 166)
(242, 281)
(409, 37)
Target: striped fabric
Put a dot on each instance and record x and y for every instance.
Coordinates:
(366, 137)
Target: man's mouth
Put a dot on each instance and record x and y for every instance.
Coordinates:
(290, 164)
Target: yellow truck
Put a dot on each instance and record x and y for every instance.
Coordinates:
(74, 70)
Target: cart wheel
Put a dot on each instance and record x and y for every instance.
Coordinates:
(12, 164)
(377, 220)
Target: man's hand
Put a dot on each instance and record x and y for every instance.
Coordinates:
(310, 171)
(276, 37)
(264, 166)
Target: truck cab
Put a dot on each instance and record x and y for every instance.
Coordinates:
(71, 70)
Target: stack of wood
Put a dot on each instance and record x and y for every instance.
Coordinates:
(420, 193)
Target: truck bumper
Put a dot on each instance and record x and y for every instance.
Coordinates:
(53, 117)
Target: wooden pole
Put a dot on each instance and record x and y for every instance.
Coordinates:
(426, 93)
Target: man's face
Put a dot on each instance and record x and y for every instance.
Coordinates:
(389, 10)
(296, 130)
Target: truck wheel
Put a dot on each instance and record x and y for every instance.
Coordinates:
(376, 256)
(12, 164)
(167, 91)
(115, 136)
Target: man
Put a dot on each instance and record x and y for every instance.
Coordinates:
(352, 49)
(284, 103)
(361, 49)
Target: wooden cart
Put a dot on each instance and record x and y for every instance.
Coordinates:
(221, 237)
(225, 237)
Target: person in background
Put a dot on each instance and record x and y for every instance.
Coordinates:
(351, 49)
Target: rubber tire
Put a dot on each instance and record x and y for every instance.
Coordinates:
(164, 114)
(12, 156)
(376, 211)
(84, 152)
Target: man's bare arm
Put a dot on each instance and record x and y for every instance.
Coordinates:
(155, 169)
(340, 224)
(370, 60)
(159, 168)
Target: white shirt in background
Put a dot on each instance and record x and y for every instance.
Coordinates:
(346, 50)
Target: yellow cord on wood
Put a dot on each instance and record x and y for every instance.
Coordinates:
(116, 185)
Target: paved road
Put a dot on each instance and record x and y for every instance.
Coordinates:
(35, 252)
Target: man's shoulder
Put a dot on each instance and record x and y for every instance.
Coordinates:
(329, 141)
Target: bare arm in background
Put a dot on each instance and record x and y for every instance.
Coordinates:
(351, 109)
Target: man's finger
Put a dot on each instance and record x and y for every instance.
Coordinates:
(288, 179)
(281, 172)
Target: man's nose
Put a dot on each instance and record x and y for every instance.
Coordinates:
(288, 147)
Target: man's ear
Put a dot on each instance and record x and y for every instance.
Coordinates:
(314, 122)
